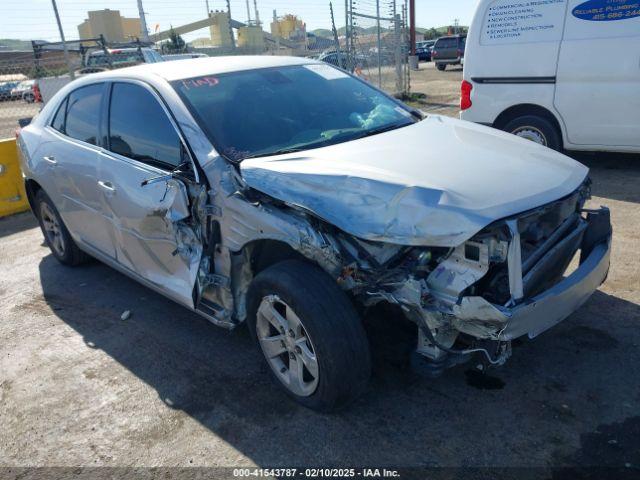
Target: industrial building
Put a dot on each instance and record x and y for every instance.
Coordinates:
(111, 24)
(289, 27)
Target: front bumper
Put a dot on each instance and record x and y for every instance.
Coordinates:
(534, 315)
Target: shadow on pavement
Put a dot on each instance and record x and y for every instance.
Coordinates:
(17, 223)
(614, 175)
(555, 390)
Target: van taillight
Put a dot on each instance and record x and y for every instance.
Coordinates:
(465, 95)
(37, 96)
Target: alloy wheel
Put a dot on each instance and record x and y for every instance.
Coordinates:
(287, 346)
(52, 229)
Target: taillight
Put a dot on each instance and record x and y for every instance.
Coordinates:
(465, 95)
(434, 53)
(37, 96)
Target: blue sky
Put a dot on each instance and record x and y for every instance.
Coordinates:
(34, 19)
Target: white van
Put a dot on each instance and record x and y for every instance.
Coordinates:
(564, 73)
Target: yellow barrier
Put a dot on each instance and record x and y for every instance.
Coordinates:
(13, 198)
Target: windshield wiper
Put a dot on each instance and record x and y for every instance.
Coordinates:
(283, 151)
(382, 129)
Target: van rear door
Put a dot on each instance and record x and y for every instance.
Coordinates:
(598, 75)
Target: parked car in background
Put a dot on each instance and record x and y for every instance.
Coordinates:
(448, 51)
(572, 85)
(284, 192)
(341, 60)
(24, 91)
(5, 90)
(423, 50)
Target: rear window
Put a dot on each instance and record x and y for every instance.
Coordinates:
(83, 110)
(446, 43)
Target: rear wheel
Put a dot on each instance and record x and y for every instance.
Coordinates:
(310, 335)
(441, 66)
(55, 232)
(535, 128)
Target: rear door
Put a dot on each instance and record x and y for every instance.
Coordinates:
(155, 234)
(70, 155)
(598, 76)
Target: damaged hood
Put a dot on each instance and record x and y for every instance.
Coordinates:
(436, 182)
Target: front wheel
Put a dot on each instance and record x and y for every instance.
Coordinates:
(536, 129)
(310, 335)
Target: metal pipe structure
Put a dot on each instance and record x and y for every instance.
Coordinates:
(64, 43)
(248, 13)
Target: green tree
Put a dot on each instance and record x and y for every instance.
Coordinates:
(175, 44)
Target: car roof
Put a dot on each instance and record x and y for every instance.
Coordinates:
(197, 67)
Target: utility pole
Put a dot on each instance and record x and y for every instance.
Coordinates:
(346, 35)
(379, 44)
(335, 35)
(412, 26)
(208, 11)
(233, 40)
(275, 22)
(143, 22)
(64, 42)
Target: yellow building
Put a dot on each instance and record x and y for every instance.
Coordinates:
(220, 31)
(289, 27)
(111, 24)
(251, 37)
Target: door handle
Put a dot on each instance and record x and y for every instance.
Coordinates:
(50, 159)
(108, 186)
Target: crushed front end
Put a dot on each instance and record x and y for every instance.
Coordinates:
(518, 276)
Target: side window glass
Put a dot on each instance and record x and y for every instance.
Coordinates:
(58, 120)
(83, 110)
(140, 129)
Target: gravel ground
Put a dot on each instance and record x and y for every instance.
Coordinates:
(81, 387)
(442, 89)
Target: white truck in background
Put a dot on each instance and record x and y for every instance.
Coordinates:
(563, 73)
(97, 61)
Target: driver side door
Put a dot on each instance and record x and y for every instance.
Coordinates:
(156, 236)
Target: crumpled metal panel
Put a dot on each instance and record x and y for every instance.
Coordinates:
(435, 183)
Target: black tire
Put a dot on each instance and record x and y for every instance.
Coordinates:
(29, 97)
(330, 321)
(441, 66)
(70, 255)
(537, 127)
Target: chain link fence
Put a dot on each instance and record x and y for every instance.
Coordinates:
(378, 41)
(373, 46)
